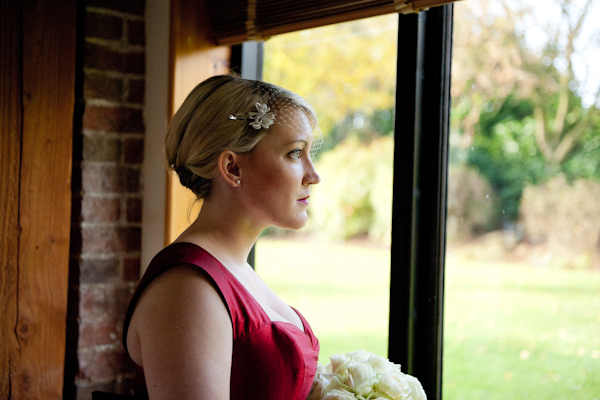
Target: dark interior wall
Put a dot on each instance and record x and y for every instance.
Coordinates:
(107, 194)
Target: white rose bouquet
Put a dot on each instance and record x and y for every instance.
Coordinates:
(361, 375)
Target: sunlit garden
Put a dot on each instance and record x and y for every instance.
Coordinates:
(512, 330)
(522, 283)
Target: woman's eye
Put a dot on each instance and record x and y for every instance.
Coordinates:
(295, 153)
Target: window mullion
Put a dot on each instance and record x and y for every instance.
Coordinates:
(419, 205)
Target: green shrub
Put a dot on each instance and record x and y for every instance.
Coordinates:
(472, 204)
(565, 217)
(355, 196)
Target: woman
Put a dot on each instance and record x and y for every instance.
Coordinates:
(202, 324)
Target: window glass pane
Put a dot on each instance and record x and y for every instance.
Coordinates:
(337, 268)
(522, 305)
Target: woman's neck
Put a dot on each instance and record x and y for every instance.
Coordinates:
(222, 231)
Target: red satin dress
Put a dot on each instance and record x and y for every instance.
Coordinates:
(271, 359)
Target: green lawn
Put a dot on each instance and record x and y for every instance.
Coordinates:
(513, 331)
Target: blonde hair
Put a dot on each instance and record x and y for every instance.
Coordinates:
(201, 129)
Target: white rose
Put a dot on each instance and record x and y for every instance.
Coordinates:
(323, 369)
(318, 387)
(417, 390)
(360, 355)
(394, 384)
(361, 377)
(381, 364)
(339, 363)
(336, 394)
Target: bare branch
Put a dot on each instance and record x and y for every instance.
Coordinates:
(571, 138)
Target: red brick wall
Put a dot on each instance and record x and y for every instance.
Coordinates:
(107, 200)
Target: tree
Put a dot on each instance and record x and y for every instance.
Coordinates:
(495, 56)
(346, 71)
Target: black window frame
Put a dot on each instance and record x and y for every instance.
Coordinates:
(421, 132)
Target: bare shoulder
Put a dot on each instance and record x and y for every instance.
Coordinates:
(181, 334)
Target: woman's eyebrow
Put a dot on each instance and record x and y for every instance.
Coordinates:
(298, 141)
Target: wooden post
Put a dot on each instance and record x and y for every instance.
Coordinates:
(10, 150)
(38, 77)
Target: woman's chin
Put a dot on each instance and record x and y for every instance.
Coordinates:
(299, 223)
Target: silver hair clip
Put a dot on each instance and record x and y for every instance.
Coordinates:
(262, 117)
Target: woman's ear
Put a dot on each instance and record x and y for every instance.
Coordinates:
(229, 168)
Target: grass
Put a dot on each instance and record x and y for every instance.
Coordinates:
(340, 289)
(512, 330)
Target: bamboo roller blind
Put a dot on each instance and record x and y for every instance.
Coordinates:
(235, 21)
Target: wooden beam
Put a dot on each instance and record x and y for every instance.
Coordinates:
(38, 84)
(10, 151)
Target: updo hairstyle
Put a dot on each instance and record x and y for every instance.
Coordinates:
(201, 129)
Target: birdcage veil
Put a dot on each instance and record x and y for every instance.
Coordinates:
(279, 106)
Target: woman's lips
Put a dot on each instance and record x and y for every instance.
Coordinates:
(304, 200)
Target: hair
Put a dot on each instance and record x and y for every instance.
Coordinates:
(201, 129)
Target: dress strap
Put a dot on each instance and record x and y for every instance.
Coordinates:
(174, 255)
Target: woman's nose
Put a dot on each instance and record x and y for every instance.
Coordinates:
(311, 177)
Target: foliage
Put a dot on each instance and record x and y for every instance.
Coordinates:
(355, 197)
(363, 127)
(472, 204)
(505, 152)
(558, 214)
(332, 67)
(504, 149)
(524, 119)
(543, 74)
(585, 159)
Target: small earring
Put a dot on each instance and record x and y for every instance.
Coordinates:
(306, 183)
(238, 181)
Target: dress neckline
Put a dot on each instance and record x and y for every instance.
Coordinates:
(304, 329)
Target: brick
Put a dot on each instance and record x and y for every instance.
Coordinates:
(103, 26)
(100, 332)
(103, 58)
(99, 270)
(110, 179)
(105, 240)
(101, 179)
(98, 209)
(130, 238)
(135, 62)
(136, 33)
(136, 7)
(99, 240)
(97, 301)
(101, 365)
(137, 91)
(101, 147)
(113, 119)
(98, 86)
(131, 269)
(110, 59)
(134, 209)
(121, 384)
(133, 150)
(130, 180)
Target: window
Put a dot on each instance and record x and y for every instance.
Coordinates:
(522, 281)
(337, 269)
